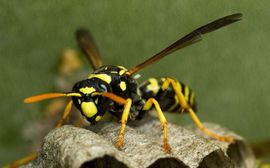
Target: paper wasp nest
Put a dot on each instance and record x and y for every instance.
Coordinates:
(73, 147)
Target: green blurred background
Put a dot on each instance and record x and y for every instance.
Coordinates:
(229, 69)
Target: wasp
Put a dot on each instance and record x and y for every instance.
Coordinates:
(114, 89)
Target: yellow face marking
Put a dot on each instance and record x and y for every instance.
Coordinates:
(123, 86)
(79, 101)
(153, 85)
(87, 90)
(98, 118)
(96, 101)
(122, 72)
(103, 77)
(89, 109)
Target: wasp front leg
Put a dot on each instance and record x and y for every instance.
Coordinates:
(127, 105)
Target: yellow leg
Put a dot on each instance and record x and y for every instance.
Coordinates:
(119, 143)
(127, 105)
(65, 114)
(34, 155)
(162, 120)
(184, 105)
(22, 161)
(79, 122)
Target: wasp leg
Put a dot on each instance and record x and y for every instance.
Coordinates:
(127, 105)
(79, 122)
(184, 105)
(22, 161)
(162, 120)
(65, 114)
(34, 155)
(119, 143)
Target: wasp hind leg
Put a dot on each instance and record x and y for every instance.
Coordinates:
(185, 106)
(162, 119)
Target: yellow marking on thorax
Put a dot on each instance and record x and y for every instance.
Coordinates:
(153, 86)
(114, 72)
(98, 118)
(87, 90)
(121, 72)
(89, 109)
(121, 67)
(103, 77)
(123, 86)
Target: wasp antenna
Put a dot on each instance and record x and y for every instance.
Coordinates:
(44, 96)
(73, 94)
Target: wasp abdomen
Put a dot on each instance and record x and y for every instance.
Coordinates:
(165, 95)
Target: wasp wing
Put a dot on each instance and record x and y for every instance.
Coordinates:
(189, 39)
(89, 47)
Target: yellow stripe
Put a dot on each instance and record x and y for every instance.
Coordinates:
(87, 90)
(192, 98)
(153, 86)
(121, 67)
(186, 92)
(103, 77)
(122, 72)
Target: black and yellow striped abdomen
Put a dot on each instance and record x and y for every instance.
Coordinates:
(166, 96)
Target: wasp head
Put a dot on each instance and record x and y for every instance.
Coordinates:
(88, 103)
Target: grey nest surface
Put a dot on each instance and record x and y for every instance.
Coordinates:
(72, 147)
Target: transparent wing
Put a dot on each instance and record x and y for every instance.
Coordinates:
(89, 47)
(189, 39)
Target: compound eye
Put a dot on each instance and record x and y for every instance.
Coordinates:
(103, 87)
